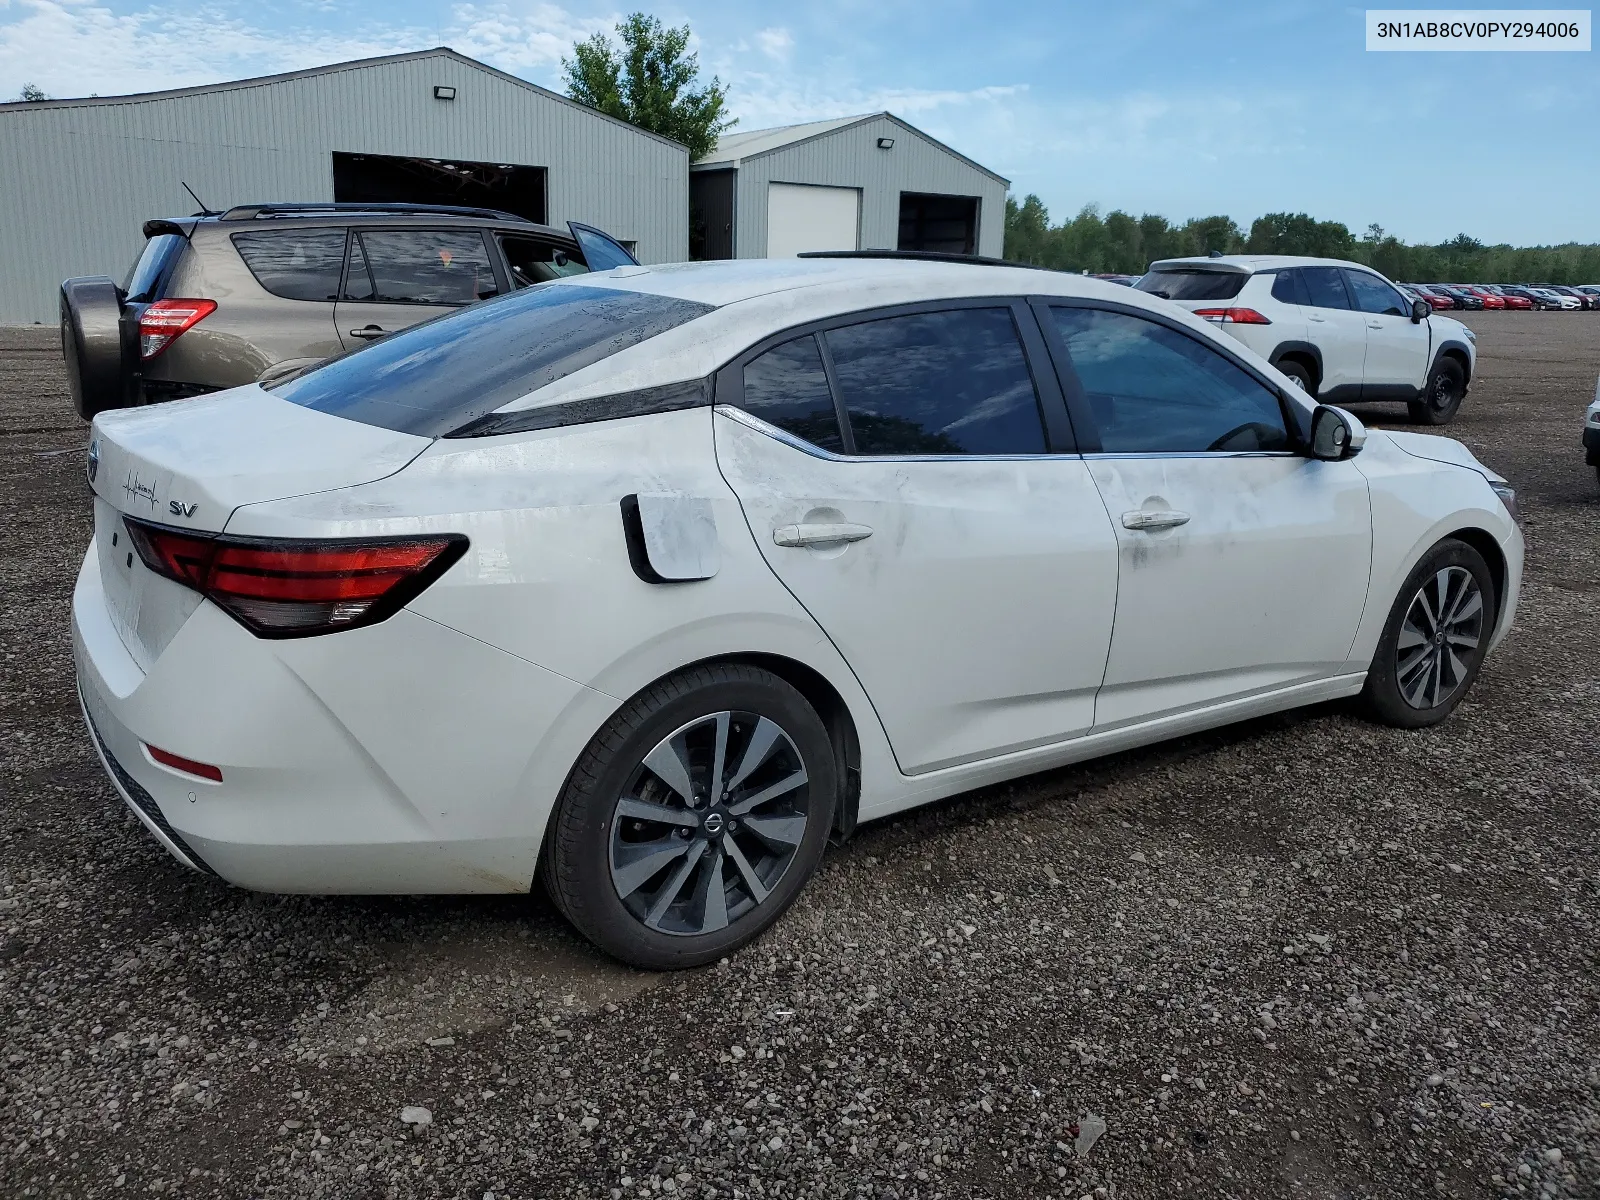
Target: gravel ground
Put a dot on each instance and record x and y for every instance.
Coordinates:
(1302, 956)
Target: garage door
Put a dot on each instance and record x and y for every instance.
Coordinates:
(801, 217)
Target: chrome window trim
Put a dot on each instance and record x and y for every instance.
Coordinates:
(1192, 454)
(754, 422)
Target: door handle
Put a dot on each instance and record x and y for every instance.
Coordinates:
(819, 533)
(1139, 519)
(368, 333)
(1374, 324)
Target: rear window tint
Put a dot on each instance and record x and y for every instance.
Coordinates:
(1289, 288)
(148, 276)
(1193, 285)
(296, 264)
(428, 266)
(788, 387)
(435, 377)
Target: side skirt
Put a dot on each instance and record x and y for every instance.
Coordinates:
(936, 785)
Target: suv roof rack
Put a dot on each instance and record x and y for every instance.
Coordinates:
(246, 212)
(976, 260)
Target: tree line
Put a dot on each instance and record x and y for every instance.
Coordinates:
(1122, 243)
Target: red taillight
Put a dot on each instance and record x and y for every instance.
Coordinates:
(1235, 316)
(298, 588)
(161, 323)
(187, 765)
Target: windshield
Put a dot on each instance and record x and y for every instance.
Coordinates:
(437, 376)
(1193, 284)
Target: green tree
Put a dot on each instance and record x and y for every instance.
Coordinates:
(651, 81)
(32, 92)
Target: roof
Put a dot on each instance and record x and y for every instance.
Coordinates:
(754, 298)
(354, 64)
(1253, 262)
(734, 148)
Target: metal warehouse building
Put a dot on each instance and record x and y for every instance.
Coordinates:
(78, 178)
(857, 183)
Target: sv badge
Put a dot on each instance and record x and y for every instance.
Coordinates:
(179, 509)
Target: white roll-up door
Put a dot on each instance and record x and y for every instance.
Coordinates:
(803, 217)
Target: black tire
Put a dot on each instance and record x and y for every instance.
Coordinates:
(1300, 374)
(1441, 399)
(91, 344)
(1393, 673)
(583, 840)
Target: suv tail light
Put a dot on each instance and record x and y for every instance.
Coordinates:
(283, 589)
(163, 322)
(1236, 316)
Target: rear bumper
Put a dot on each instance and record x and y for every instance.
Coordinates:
(1591, 445)
(400, 758)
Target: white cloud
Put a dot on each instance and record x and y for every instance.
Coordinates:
(78, 47)
(775, 42)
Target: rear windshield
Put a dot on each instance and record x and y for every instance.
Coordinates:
(1193, 285)
(437, 376)
(148, 276)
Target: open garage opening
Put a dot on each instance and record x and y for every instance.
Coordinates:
(384, 178)
(943, 224)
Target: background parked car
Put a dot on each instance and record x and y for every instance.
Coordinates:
(1552, 299)
(1491, 300)
(1468, 301)
(1583, 298)
(215, 301)
(1534, 299)
(1438, 300)
(1339, 329)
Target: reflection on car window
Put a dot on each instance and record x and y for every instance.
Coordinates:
(433, 378)
(1373, 295)
(1325, 287)
(951, 382)
(532, 261)
(428, 266)
(297, 264)
(788, 387)
(1155, 390)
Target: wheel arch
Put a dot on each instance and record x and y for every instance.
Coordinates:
(820, 693)
(1458, 351)
(1485, 544)
(1305, 352)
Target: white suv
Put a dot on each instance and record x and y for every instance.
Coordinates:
(1340, 330)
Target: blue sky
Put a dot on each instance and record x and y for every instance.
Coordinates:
(1171, 106)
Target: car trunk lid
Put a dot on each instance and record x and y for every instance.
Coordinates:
(190, 463)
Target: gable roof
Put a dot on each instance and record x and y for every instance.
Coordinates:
(734, 148)
(354, 64)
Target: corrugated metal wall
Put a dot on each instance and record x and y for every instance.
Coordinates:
(850, 157)
(78, 181)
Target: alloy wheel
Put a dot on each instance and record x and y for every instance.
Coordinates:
(708, 823)
(1439, 637)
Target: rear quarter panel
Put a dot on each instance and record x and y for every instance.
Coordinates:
(548, 579)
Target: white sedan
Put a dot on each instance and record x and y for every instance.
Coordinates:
(649, 582)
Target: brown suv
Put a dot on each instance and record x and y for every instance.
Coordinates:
(223, 299)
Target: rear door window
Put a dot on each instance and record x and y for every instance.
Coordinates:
(1193, 285)
(428, 266)
(436, 377)
(952, 382)
(1373, 295)
(1325, 287)
(788, 387)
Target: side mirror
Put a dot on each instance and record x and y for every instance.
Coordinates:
(1336, 434)
(1419, 310)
